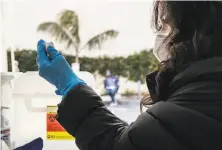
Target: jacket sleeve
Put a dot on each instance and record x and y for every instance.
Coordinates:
(84, 116)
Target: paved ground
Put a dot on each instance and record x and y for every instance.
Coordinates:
(127, 111)
(128, 108)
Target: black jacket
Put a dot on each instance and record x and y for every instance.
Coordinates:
(189, 119)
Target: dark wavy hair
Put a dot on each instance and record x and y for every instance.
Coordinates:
(196, 34)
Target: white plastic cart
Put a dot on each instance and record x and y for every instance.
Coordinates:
(31, 96)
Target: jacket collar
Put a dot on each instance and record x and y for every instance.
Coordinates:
(208, 69)
(200, 70)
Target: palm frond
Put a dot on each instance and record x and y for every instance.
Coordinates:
(57, 32)
(98, 40)
(68, 19)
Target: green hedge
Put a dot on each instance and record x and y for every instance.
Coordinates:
(134, 67)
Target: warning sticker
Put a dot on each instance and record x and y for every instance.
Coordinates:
(54, 130)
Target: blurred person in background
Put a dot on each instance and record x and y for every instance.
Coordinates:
(111, 84)
(185, 91)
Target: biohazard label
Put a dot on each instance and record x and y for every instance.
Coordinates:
(54, 130)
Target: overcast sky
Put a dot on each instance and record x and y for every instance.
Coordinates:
(130, 17)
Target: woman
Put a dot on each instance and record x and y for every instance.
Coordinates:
(186, 91)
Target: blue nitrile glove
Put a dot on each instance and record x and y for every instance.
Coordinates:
(55, 69)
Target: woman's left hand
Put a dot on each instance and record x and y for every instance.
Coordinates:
(55, 69)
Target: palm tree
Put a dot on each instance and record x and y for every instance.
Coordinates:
(66, 30)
